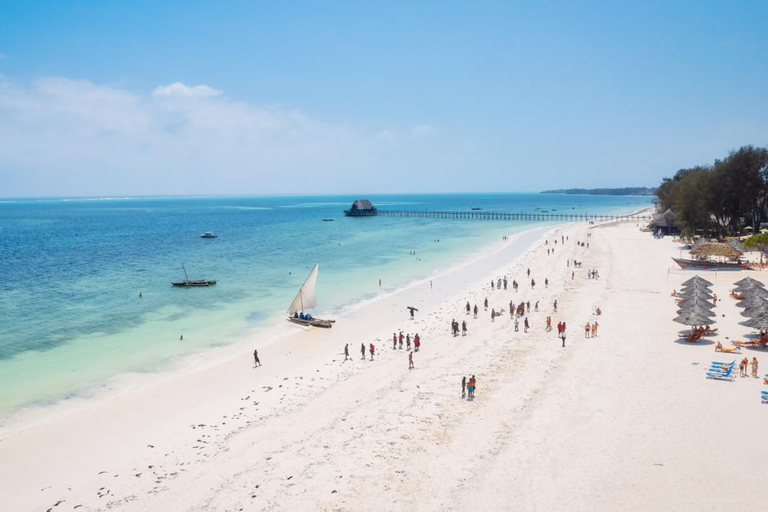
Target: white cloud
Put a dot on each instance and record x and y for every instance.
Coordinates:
(179, 89)
(60, 136)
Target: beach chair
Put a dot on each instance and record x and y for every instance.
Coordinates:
(764, 396)
(721, 375)
(721, 367)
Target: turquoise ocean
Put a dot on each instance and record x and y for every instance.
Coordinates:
(72, 270)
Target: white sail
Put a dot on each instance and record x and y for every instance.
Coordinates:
(306, 298)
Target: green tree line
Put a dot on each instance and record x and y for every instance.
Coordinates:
(722, 198)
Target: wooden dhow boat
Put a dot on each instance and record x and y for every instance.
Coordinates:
(306, 299)
(191, 284)
(710, 264)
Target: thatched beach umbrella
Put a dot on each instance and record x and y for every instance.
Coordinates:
(698, 309)
(760, 323)
(753, 291)
(692, 318)
(696, 280)
(696, 303)
(752, 301)
(748, 281)
(755, 311)
(715, 249)
(695, 292)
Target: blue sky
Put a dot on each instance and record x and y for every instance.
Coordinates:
(303, 97)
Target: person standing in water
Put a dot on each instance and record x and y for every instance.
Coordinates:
(256, 361)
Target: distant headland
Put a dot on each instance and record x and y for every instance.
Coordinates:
(627, 191)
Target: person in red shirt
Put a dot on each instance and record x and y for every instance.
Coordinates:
(372, 350)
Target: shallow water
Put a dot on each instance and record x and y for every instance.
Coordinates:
(70, 312)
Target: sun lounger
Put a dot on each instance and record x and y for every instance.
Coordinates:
(764, 396)
(720, 375)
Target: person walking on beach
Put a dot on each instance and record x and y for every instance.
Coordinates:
(528, 306)
(346, 351)
(362, 350)
(373, 350)
(468, 309)
(256, 361)
(493, 315)
(408, 342)
(517, 324)
(475, 310)
(401, 340)
(410, 360)
(491, 284)
(394, 341)
(587, 330)
(594, 330)
(754, 367)
(529, 272)
(463, 386)
(486, 303)
(555, 306)
(533, 283)
(525, 325)
(546, 282)
(464, 328)
(416, 342)
(536, 306)
(573, 276)
(511, 310)
(549, 324)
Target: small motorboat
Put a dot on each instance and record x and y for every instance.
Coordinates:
(209, 234)
(192, 283)
(476, 208)
(328, 220)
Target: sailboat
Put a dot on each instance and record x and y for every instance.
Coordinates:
(188, 283)
(306, 299)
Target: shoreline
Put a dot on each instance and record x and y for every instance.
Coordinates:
(122, 384)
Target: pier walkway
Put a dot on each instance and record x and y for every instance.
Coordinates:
(481, 215)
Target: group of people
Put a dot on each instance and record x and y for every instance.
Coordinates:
(455, 325)
(590, 330)
(743, 367)
(499, 282)
(302, 315)
(593, 274)
(407, 338)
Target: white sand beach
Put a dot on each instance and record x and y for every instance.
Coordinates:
(623, 421)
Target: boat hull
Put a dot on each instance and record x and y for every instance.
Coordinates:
(193, 284)
(709, 265)
(315, 322)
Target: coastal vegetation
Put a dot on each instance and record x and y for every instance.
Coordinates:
(722, 198)
(626, 191)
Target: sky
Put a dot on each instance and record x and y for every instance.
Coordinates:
(114, 98)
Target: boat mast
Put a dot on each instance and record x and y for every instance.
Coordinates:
(186, 277)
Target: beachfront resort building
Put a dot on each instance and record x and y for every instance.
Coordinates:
(664, 223)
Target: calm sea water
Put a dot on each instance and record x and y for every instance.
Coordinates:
(72, 271)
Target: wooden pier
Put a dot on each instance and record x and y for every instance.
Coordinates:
(481, 215)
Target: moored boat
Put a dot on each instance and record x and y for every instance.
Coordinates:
(306, 299)
(192, 283)
(710, 264)
(209, 234)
